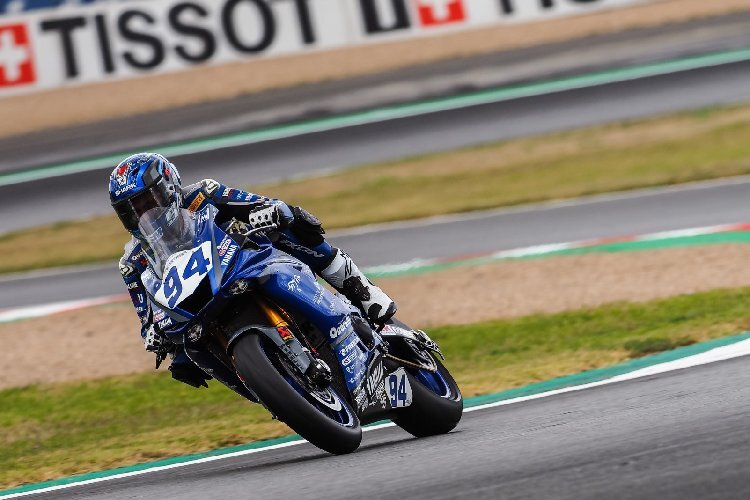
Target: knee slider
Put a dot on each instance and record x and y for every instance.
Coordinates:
(307, 228)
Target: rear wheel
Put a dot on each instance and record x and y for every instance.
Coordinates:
(323, 417)
(437, 404)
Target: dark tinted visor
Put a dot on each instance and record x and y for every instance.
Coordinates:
(129, 211)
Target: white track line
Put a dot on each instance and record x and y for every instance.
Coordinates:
(723, 353)
(58, 307)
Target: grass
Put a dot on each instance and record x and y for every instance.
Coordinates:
(51, 431)
(704, 144)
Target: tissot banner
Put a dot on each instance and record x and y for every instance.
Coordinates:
(75, 45)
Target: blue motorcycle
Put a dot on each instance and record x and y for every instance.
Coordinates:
(258, 321)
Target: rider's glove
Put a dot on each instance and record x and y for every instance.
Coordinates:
(190, 374)
(266, 217)
(157, 343)
(154, 341)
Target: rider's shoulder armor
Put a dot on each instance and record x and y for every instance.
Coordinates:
(197, 196)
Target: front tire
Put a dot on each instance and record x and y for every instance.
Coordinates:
(437, 404)
(327, 421)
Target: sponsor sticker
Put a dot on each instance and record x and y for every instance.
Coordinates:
(196, 204)
(284, 333)
(318, 298)
(375, 379)
(228, 257)
(126, 189)
(342, 329)
(294, 284)
(16, 58)
(224, 246)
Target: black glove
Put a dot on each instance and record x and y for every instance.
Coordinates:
(154, 341)
(159, 344)
(189, 374)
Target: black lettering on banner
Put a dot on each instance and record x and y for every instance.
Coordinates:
(105, 48)
(131, 35)
(305, 21)
(267, 21)
(508, 6)
(66, 27)
(372, 19)
(203, 34)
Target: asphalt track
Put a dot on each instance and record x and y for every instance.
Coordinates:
(700, 204)
(671, 436)
(678, 435)
(84, 194)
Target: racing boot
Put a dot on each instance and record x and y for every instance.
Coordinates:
(343, 275)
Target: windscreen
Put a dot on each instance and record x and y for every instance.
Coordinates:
(167, 231)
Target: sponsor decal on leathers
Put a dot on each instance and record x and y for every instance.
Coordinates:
(196, 204)
(115, 40)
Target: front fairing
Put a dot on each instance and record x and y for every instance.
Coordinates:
(188, 266)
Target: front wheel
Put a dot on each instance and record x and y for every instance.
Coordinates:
(322, 417)
(437, 404)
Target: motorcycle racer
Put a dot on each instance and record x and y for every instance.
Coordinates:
(145, 181)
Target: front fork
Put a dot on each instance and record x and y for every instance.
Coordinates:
(300, 356)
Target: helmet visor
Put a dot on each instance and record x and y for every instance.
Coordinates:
(130, 211)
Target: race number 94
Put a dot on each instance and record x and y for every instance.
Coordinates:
(399, 389)
(185, 276)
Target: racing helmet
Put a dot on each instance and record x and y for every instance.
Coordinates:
(141, 182)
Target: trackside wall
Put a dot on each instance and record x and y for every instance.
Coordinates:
(109, 41)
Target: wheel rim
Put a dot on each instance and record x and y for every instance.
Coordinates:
(327, 401)
(435, 382)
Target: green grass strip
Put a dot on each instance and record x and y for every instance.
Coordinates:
(60, 430)
(583, 378)
(601, 374)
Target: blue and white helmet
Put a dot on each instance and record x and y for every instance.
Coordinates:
(141, 182)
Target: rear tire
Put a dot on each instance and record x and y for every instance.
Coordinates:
(431, 413)
(262, 367)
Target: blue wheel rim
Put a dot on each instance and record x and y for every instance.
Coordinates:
(435, 382)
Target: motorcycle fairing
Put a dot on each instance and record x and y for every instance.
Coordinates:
(185, 271)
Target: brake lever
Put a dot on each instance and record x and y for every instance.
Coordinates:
(269, 227)
(160, 357)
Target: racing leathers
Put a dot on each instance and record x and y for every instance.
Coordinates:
(299, 234)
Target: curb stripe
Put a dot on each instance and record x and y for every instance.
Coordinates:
(695, 355)
(725, 233)
(12, 315)
(711, 235)
(394, 112)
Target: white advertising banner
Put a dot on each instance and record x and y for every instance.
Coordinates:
(111, 41)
